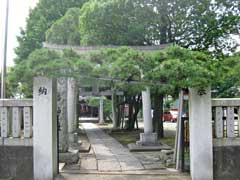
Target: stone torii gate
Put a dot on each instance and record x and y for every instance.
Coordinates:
(148, 137)
(45, 104)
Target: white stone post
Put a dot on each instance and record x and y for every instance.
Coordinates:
(148, 137)
(200, 124)
(72, 105)
(45, 128)
(27, 121)
(16, 122)
(4, 122)
(114, 116)
(101, 116)
(62, 114)
(147, 116)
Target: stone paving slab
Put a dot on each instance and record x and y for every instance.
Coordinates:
(65, 176)
(154, 166)
(131, 165)
(135, 147)
(109, 165)
(110, 154)
(89, 163)
(126, 158)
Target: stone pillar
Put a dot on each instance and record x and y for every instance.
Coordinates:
(45, 128)
(16, 122)
(147, 116)
(148, 137)
(62, 114)
(5, 122)
(27, 120)
(72, 108)
(114, 116)
(101, 117)
(200, 124)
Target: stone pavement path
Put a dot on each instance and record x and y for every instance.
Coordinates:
(120, 177)
(110, 155)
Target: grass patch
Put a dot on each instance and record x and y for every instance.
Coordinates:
(127, 137)
(169, 141)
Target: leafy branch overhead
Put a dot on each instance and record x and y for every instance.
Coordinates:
(202, 26)
(174, 67)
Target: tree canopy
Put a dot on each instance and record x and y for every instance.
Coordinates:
(66, 29)
(115, 22)
(199, 25)
(228, 83)
(39, 21)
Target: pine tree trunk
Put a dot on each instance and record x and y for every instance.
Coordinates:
(114, 113)
(130, 117)
(158, 114)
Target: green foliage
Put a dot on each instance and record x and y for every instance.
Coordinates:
(174, 67)
(121, 64)
(208, 24)
(184, 68)
(66, 29)
(228, 82)
(115, 22)
(107, 105)
(44, 62)
(39, 21)
(199, 25)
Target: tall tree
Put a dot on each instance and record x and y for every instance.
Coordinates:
(227, 85)
(115, 22)
(195, 24)
(39, 21)
(123, 64)
(66, 29)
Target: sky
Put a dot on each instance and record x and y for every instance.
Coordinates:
(18, 12)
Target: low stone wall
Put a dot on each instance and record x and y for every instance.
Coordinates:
(16, 162)
(226, 162)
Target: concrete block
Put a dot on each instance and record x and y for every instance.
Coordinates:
(69, 157)
(73, 137)
(16, 162)
(148, 139)
(135, 147)
(226, 162)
